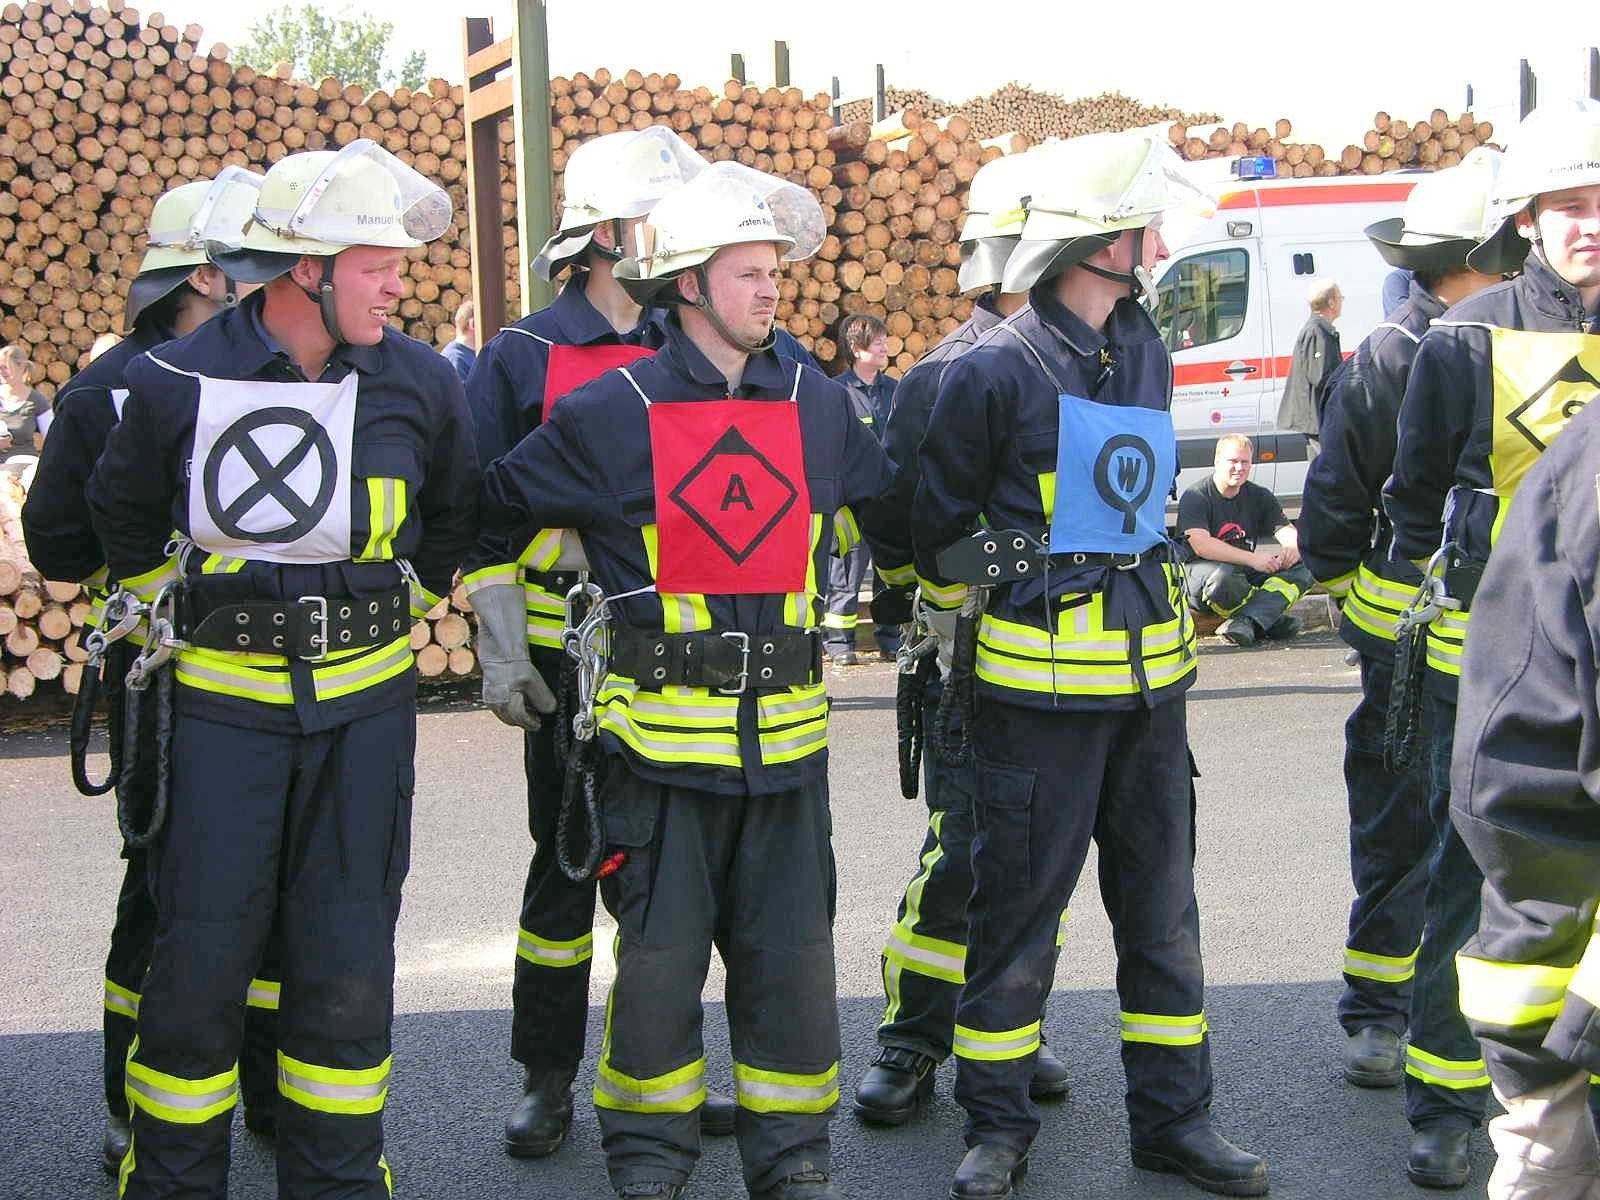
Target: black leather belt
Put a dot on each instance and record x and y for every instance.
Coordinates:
(557, 583)
(1461, 581)
(311, 627)
(1008, 555)
(728, 662)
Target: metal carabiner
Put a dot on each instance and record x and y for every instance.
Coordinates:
(587, 644)
(162, 642)
(1430, 598)
(917, 639)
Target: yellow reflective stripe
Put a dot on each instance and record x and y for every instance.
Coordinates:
(1339, 585)
(544, 952)
(221, 564)
(923, 955)
(996, 1047)
(147, 584)
(1446, 642)
(386, 512)
(795, 704)
(1288, 589)
(693, 708)
(543, 551)
(180, 1101)
(126, 1169)
(1061, 929)
(785, 1092)
(359, 1092)
(792, 724)
(800, 608)
(206, 675)
(422, 600)
(382, 664)
(1374, 604)
(833, 620)
(1509, 995)
(901, 576)
(263, 994)
(1384, 968)
(1106, 679)
(1047, 494)
(945, 596)
(1070, 646)
(388, 1176)
(97, 581)
(1455, 1074)
(490, 576)
(1161, 1030)
(846, 530)
(122, 1001)
(265, 677)
(708, 723)
(680, 1091)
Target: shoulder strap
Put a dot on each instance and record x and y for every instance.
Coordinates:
(628, 375)
(169, 367)
(794, 392)
(1441, 323)
(527, 334)
(1399, 329)
(1037, 357)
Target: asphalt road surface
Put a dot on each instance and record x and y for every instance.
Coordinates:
(1274, 892)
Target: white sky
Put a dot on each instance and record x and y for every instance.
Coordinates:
(1328, 67)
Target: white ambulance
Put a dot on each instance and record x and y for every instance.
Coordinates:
(1232, 298)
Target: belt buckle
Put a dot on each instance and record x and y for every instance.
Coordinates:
(741, 640)
(1132, 564)
(319, 619)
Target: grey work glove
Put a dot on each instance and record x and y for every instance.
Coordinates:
(512, 689)
(572, 556)
(943, 624)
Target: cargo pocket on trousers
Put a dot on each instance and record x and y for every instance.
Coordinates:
(1002, 851)
(631, 815)
(405, 786)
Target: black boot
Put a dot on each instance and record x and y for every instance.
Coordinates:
(1206, 1159)
(1438, 1155)
(807, 1185)
(542, 1117)
(990, 1171)
(1049, 1081)
(717, 1115)
(115, 1144)
(896, 1082)
(1373, 1058)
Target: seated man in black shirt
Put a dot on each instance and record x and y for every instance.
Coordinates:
(1223, 519)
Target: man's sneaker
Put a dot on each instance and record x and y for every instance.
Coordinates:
(1283, 628)
(1241, 631)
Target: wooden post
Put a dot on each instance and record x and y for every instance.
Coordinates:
(880, 105)
(490, 98)
(1469, 98)
(1527, 90)
(834, 92)
(780, 64)
(736, 67)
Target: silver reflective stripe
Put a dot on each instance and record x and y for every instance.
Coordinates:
(1468, 1074)
(399, 654)
(1189, 1030)
(798, 741)
(263, 993)
(782, 708)
(786, 1092)
(945, 962)
(123, 1005)
(332, 1091)
(1365, 965)
(253, 683)
(617, 1091)
(657, 706)
(563, 954)
(1026, 1041)
(181, 1100)
(618, 723)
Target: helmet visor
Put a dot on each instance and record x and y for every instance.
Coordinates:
(364, 196)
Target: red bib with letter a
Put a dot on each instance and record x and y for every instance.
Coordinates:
(571, 367)
(733, 512)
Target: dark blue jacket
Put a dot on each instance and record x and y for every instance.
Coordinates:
(460, 356)
(589, 467)
(411, 425)
(992, 436)
(872, 401)
(55, 518)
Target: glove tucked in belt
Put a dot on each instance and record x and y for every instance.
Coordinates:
(311, 627)
(728, 662)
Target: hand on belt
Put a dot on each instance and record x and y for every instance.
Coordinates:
(311, 627)
(728, 662)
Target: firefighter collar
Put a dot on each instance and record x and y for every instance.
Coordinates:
(265, 348)
(683, 357)
(579, 323)
(1552, 295)
(1128, 324)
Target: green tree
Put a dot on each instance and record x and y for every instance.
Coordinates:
(352, 47)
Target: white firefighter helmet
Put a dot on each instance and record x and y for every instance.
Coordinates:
(727, 204)
(1555, 148)
(321, 202)
(1087, 191)
(181, 224)
(613, 178)
(1442, 219)
(995, 217)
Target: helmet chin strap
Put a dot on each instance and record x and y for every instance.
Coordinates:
(1137, 281)
(717, 323)
(230, 291)
(323, 298)
(613, 252)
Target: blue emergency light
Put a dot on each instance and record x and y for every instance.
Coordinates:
(1257, 166)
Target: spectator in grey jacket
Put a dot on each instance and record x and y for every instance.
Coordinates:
(1316, 356)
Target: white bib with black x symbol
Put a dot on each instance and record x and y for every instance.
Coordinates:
(270, 476)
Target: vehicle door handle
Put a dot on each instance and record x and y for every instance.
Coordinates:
(1239, 368)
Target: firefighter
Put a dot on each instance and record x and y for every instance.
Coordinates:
(1493, 384)
(176, 290)
(592, 326)
(1055, 433)
(1345, 540)
(923, 959)
(708, 485)
(319, 472)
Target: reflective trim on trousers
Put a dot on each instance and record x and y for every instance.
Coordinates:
(263, 993)
(1455, 1074)
(893, 963)
(491, 576)
(996, 1047)
(1061, 929)
(1511, 995)
(1073, 679)
(1447, 638)
(846, 531)
(1164, 1031)
(1339, 586)
(176, 1100)
(783, 1092)
(901, 576)
(1383, 968)
(946, 596)
(543, 952)
(124, 1002)
(680, 1091)
(843, 621)
(923, 955)
(359, 1092)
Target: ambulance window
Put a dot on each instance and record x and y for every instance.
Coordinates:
(1203, 299)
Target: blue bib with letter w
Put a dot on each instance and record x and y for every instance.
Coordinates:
(1114, 467)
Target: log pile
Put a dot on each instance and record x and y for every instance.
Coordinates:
(443, 639)
(1016, 108)
(41, 622)
(1390, 145)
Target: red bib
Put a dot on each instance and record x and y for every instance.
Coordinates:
(733, 512)
(571, 367)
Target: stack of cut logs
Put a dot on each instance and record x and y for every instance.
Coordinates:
(1390, 145)
(1015, 108)
(443, 639)
(41, 623)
